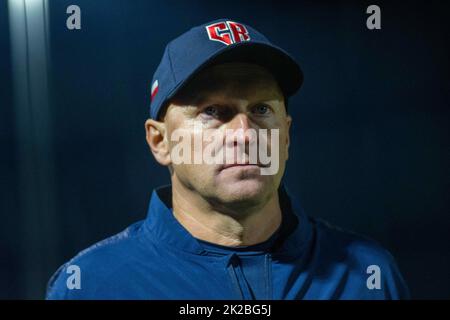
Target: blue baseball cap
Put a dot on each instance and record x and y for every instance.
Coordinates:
(216, 42)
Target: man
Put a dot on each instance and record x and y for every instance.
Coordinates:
(226, 228)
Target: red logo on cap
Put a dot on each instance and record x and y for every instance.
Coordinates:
(227, 32)
(154, 89)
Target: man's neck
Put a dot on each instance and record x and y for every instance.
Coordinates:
(206, 222)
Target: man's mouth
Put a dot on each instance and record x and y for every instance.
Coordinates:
(243, 165)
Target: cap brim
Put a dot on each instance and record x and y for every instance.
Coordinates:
(283, 67)
(279, 63)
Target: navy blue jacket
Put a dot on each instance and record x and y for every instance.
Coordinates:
(158, 259)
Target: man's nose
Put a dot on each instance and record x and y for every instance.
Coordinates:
(241, 130)
(239, 121)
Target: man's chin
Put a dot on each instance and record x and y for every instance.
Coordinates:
(246, 190)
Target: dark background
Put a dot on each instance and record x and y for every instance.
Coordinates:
(370, 141)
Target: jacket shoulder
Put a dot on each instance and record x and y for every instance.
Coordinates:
(351, 243)
(360, 256)
(93, 265)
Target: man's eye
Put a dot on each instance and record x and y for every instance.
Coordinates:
(211, 111)
(261, 109)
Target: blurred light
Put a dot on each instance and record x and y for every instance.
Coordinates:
(29, 36)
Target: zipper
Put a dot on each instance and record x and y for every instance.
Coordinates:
(238, 280)
(268, 274)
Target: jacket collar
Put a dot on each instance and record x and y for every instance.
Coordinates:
(294, 233)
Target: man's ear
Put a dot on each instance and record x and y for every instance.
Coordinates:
(156, 139)
(288, 134)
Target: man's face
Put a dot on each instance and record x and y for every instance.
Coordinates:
(217, 102)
